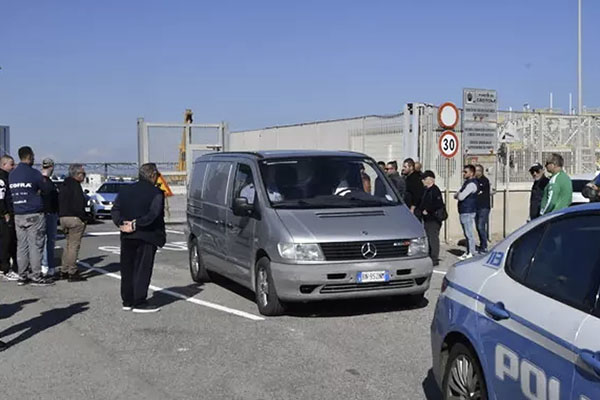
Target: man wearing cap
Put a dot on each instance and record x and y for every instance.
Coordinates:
(558, 194)
(537, 190)
(50, 200)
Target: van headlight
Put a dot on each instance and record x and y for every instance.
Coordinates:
(301, 251)
(418, 247)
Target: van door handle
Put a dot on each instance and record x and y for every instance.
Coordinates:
(591, 359)
(497, 311)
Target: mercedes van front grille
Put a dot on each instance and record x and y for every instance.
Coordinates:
(365, 287)
(365, 250)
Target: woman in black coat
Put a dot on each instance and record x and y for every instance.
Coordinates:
(431, 202)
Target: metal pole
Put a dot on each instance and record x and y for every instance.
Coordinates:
(506, 190)
(579, 78)
(446, 229)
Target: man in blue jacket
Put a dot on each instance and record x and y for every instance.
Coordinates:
(467, 208)
(27, 185)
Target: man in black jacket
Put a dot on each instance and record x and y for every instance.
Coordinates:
(414, 186)
(537, 190)
(398, 181)
(482, 216)
(73, 219)
(430, 203)
(50, 201)
(8, 234)
(139, 213)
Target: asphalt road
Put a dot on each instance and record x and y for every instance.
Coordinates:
(73, 341)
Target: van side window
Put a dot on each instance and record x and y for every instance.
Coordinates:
(244, 184)
(195, 190)
(566, 265)
(215, 187)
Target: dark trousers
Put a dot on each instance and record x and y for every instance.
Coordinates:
(482, 220)
(137, 261)
(432, 229)
(8, 246)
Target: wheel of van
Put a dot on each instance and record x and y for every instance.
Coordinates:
(197, 267)
(266, 297)
(463, 378)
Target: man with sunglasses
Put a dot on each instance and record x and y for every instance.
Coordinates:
(73, 219)
(540, 180)
(467, 208)
(558, 194)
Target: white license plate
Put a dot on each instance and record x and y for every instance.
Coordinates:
(373, 276)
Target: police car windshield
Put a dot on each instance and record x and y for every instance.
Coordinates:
(110, 188)
(326, 182)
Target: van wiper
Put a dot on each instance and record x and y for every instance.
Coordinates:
(374, 202)
(291, 204)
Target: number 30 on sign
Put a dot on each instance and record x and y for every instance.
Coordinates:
(448, 144)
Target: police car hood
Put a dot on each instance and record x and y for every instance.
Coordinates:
(351, 224)
(106, 196)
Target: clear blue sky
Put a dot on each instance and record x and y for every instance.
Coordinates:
(76, 74)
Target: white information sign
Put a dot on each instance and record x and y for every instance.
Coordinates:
(480, 121)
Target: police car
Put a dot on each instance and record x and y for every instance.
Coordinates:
(524, 320)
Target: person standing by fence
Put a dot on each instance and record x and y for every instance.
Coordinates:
(558, 194)
(482, 216)
(50, 201)
(467, 208)
(540, 180)
(26, 186)
(8, 234)
(429, 209)
(73, 220)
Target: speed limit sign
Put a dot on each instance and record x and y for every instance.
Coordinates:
(448, 144)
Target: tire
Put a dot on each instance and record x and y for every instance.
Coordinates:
(463, 375)
(197, 267)
(266, 296)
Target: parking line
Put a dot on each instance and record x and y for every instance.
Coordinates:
(175, 232)
(435, 271)
(193, 300)
(114, 233)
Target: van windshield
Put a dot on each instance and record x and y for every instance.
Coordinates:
(326, 182)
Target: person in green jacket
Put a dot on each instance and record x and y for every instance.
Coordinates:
(558, 193)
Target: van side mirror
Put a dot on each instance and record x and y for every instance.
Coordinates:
(241, 207)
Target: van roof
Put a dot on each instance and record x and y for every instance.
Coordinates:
(268, 154)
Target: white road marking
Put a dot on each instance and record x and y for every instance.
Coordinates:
(435, 271)
(199, 302)
(115, 233)
(175, 232)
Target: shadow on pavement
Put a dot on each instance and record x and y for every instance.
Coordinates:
(162, 299)
(93, 261)
(232, 286)
(353, 307)
(430, 387)
(8, 310)
(45, 320)
(456, 252)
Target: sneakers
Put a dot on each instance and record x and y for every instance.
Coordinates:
(76, 277)
(145, 309)
(45, 270)
(465, 256)
(3, 346)
(127, 308)
(42, 282)
(11, 276)
(22, 281)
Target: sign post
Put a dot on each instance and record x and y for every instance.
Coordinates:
(448, 147)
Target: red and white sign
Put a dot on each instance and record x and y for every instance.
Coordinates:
(448, 115)
(448, 144)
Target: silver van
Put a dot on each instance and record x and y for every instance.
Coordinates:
(303, 225)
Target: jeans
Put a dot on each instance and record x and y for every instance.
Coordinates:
(51, 225)
(482, 220)
(467, 221)
(31, 230)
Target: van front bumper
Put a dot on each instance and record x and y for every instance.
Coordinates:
(306, 282)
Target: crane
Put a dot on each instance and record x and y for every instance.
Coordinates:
(187, 119)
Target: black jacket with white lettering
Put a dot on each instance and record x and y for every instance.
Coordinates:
(5, 197)
(26, 186)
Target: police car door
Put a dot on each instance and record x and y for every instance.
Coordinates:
(532, 307)
(586, 385)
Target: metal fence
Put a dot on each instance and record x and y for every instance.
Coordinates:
(533, 135)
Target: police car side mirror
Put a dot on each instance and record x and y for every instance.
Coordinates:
(241, 207)
(86, 191)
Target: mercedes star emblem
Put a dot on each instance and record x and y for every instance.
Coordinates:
(368, 250)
